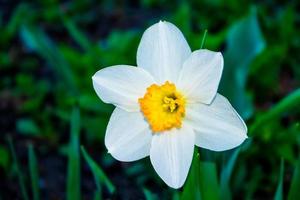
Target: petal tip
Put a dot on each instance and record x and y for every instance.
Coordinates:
(175, 186)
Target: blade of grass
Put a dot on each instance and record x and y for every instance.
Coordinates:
(203, 39)
(37, 40)
(191, 188)
(34, 174)
(97, 195)
(288, 103)
(279, 190)
(99, 175)
(244, 42)
(209, 181)
(81, 38)
(78, 36)
(73, 179)
(175, 195)
(16, 20)
(19, 173)
(148, 194)
(226, 174)
(294, 192)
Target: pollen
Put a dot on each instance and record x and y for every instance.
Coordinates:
(163, 107)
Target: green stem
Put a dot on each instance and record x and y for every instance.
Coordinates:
(203, 39)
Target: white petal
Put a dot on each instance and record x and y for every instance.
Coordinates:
(162, 51)
(128, 136)
(122, 85)
(171, 155)
(200, 76)
(217, 126)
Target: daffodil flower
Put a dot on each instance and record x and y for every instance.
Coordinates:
(168, 104)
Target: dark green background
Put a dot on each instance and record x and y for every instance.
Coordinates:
(49, 51)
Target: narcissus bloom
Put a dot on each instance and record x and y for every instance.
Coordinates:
(168, 104)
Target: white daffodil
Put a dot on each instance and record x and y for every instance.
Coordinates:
(168, 104)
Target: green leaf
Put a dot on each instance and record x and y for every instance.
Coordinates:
(279, 190)
(202, 182)
(294, 192)
(226, 175)
(27, 127)
(19, 173)
(245, 42)
(191, 189)
(148, 194)
(182, 18)
(37, 40)
(97, 195)
(175, 195)
(290, 102)
(34, 174)
(209, 185)
(99, 175)
(78, 36)
(17, 19)
(73, 177)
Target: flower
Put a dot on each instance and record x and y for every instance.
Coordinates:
(168, 104)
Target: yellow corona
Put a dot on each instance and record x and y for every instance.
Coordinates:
(163, 107)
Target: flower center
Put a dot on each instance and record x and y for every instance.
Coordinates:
(163, 107)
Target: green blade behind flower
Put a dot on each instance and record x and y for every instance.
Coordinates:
(290, 102)
(294, 192)
(73, 177)
(99, 175)
(203, 39)
(209, 185)
(191, 189)
(279, 190)
(17, 167)
(34, 175)
(245, 42)
(148, 194)
(37, 40)
(78, 36)
(226, 174)
(202, 182)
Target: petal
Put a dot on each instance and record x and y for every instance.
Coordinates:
(200, 75)
(122, 85)
(128, 136)
(217, 126)
(162, 51)
(171, 155)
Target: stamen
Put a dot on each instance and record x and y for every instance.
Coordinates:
(170, 103)
(163, 107)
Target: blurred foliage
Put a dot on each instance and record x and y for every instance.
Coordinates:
(49, 51)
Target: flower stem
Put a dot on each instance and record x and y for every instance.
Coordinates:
(203, 39)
